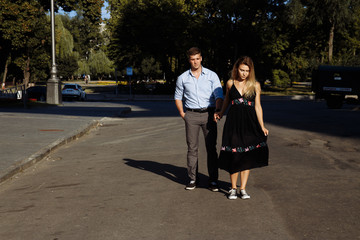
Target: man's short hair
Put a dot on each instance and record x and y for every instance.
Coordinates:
(193, 51)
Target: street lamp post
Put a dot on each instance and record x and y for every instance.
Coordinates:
(53, 86)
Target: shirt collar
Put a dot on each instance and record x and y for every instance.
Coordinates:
(203, 71)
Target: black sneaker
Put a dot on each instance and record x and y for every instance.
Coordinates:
(191, 185)
(213, 187)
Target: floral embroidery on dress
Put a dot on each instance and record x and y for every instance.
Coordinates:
(242, 149)
(243, 101)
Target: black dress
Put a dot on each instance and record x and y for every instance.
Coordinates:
(243, 143)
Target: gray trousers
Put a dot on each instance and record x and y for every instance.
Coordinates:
(195, 121)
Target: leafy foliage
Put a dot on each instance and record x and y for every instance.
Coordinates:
(150, 68)
(287, 39)
(99, 64)
(67, 67)
(135, 36)
(25, 35)
(281, 78)
(21, 27)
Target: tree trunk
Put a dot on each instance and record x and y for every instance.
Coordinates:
(5, 70)
(331, 42)
(27, 72)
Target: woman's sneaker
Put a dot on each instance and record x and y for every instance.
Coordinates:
(232, 194)
(243, 194)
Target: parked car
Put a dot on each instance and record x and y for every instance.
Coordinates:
(334, 83)
(73, 91)
(37, 92)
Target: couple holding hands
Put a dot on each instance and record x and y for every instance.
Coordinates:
(200, 102)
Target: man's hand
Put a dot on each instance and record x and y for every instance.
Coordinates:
(182, 115)
(217, 116)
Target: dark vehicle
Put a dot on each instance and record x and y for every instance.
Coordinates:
(334, 83)
(37, 92)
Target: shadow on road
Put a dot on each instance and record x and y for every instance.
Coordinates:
(173, 173)
(314, 117)
(301, 115)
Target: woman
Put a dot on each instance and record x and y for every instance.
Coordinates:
(244, 137)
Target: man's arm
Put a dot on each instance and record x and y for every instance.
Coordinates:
(179, 91)
(218, 93)
(218, 104)
(179, 106)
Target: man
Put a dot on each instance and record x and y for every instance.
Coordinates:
(200, 90)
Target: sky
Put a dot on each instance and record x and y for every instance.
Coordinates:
(104, 13)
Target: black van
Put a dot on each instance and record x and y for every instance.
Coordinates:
(333, 83)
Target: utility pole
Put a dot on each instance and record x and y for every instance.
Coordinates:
(53, 86)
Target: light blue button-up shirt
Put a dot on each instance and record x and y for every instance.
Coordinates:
(201, 92)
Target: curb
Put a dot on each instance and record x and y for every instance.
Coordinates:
(123, 112)
(42, 153)
(112, 97)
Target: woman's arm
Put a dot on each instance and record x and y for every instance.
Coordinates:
(258, 109)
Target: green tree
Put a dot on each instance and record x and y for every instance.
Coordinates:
(83, 68)
(20, 25)
(86, 35)
(150, 68)
(280, 78)
(64, 39)
(67, 66)
(330, 15)
(25, 31)
(350, 39)
(67, 59)
(99, 64)
(89, 46)
(224, 30)
(91, 9)
(150, 28)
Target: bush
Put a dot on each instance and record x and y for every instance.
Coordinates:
(280, 78)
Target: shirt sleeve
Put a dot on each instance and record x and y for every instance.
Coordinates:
(179, 90)
(218, 91)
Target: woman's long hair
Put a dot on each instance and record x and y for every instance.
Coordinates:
(250, 84)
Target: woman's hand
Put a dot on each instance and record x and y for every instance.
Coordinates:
(266, 132)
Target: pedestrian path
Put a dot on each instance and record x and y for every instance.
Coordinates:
(28, 135)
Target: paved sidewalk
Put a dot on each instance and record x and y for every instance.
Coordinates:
(28, 135)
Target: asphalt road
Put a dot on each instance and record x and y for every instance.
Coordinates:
(125, 180)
